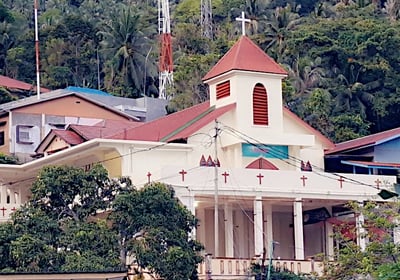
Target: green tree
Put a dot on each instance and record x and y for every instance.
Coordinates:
(58, 229)
(70, 53)
(379, 260)
(7, 159)
(125, 42)
(154, 228)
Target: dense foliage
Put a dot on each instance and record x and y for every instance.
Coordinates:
(66, 226)
(380, 257)
(342, 56)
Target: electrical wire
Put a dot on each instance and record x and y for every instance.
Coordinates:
(254, 142)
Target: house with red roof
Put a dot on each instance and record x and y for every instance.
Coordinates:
(24, 123)
(373, 154)
(15, 85)
(251, 171)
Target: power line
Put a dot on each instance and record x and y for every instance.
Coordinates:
(261, 146)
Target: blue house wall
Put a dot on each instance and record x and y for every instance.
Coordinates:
(388, 151)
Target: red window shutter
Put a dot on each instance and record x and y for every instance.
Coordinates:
(260, 105)
(223, 89)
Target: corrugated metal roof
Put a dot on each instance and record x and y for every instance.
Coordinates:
(162, 127)
(365, 141)
(107, 102)
(15, 84)
(245, 56)
(69, 137)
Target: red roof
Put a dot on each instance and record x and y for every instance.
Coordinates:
(103, 129)
(15, 84)
(247, 56)
(365, 141)
(165, 126)
(190, 129)
(69, 137)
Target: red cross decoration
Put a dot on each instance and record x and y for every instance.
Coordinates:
(4, 210)
(377, 182)
(341, 180)
(259, 176)
(225, 175)
(13, 209)
(148, 177)
(183, 172)
(304, 178)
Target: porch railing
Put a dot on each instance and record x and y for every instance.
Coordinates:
(230, 268)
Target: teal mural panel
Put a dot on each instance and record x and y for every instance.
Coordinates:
(266, 151)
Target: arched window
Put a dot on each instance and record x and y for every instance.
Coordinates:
(260, 105)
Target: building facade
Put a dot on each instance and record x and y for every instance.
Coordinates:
(249, 169)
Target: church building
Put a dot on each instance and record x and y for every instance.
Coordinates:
(248, 168)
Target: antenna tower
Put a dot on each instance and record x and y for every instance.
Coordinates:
(166, 63)
(206, 19)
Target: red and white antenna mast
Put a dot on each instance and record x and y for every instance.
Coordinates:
(166, 64)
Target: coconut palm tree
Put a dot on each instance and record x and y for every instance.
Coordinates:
(126, 42)
(282, 21)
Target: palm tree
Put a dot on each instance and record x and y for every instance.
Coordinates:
(307, 74)
(282, 21)
(351, 93)
(124, 40)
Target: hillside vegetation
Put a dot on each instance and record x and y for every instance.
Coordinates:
(342, 56)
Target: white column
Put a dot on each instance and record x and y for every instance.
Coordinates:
(12, 196)
(329, 244)
(268, 227)
(361, 240)
(188, 200)
(3, 194)
(201, 229)
(258, 226)
(298, 229)
(240, 242)
(228, 230)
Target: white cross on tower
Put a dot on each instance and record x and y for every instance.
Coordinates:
(243, 20)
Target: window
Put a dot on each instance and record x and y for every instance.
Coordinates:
(223, 89)
(1, 138)
(260, 105)
(23, 134)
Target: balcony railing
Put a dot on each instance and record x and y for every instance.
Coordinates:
(230, 268)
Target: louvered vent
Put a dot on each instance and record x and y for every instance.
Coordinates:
(260, 105)
(223, 89)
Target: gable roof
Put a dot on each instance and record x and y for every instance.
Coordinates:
(15, 84)
(103, 129)
(246, 56)
(76, 134)
(363, 142)
(106, 102)
(164, 126)
(68, 136)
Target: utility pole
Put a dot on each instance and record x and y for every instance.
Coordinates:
(216, 222)
(271, 255)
